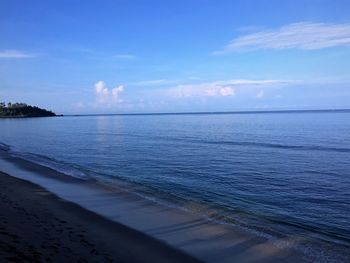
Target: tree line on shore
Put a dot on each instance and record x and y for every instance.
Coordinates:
(22, 110)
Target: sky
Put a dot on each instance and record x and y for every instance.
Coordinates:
(129, 56)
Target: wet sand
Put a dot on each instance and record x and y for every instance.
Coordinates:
(37, 226)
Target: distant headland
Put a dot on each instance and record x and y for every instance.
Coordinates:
(22, 110)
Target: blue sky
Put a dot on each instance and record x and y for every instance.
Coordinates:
(175, 56)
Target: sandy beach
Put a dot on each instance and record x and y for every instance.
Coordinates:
(37, 226)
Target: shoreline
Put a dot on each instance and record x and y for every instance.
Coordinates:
(27, 117)
(37, 226)
(197, 236)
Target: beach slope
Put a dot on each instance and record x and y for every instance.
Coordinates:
(37, 226)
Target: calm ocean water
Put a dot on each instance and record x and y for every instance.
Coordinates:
(280, 173)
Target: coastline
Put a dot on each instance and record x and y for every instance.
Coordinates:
(193, 234)
(37, 226)
(27, 117)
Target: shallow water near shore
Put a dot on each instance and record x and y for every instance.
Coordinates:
(278, 174)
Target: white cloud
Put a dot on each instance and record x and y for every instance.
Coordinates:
(107, 97)
(101, 89)
(14, 54)
(201, 90)
(116, 91)
(304, 35)
(222, 88)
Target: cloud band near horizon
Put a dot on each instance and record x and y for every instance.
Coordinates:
(11, 53)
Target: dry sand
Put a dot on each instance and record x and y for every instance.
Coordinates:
(37, 226)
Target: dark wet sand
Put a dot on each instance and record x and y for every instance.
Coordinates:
(37, 226)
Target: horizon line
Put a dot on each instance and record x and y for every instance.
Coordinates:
(205, 112)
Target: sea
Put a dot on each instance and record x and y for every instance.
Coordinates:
(274, 173)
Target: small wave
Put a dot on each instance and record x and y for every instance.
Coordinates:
(67, 169)
(276, 145)
(238, 143)
(4, 147)
(248, 144)
(59, 166)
